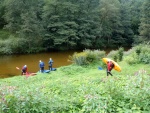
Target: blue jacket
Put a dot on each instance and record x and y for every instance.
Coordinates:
(41, 64)
(24, 68)
(50, 62)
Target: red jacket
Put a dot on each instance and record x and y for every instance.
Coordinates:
(110, 66)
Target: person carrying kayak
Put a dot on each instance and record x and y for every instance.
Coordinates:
(110, 66)
(41, 65)
(24, 70)
(50, 64)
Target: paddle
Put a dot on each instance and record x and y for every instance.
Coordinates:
(18, 68)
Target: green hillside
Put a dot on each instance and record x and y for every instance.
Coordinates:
(73, 89)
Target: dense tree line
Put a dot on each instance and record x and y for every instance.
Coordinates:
(75, 24)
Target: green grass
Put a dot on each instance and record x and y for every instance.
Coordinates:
(76, 89)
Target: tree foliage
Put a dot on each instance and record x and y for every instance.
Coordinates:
(69, 24)
(144, 28)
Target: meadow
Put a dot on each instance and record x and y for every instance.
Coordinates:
(80, 89)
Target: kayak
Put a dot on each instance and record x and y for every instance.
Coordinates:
(53, 69)
(45, 71)
(116, 66)
(29, 74)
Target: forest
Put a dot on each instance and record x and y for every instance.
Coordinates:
(31, 26)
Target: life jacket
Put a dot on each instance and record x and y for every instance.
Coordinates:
(24, 68)
(110, 66)
(50, 62)
(42, 64)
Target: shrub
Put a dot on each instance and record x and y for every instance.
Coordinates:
(143, 52)
(130, 60)
(120, 54)
(113, 54)
(86, 57)
(78, 58)
(138, 50)
(145, 58)
(130, 51)
(139, 54)
(94, 55)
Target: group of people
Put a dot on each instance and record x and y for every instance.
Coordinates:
(110, 66)
(41, 66)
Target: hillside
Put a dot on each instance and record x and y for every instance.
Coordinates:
(73, 89)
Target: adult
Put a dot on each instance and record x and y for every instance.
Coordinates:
(41, 65)
(110, 66)
(24, 70)
(50, 64)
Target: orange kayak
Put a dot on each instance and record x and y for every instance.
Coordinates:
(116, 66)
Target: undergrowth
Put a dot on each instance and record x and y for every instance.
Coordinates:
(81, 89)
(73, 89)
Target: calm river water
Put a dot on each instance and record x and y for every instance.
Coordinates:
(8, 64)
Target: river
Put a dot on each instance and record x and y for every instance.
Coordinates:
(8, 63)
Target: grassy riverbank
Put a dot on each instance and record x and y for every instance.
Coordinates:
(76, 89)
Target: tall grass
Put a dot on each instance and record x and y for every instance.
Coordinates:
(80, 89)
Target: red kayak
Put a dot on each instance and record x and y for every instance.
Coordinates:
(30, 74)
(27, 73)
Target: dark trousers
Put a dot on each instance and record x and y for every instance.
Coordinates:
(23, 72)
(50, 67)
(42, 69)
(108, 72)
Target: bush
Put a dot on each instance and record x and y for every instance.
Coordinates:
(143, 52)
(138, 50)
(120, 54)
(130, 60)
(78, 58)
(138, 54)
(130, 51)
(116, 55)
(113, 54)
(12, 45)
(87, 57)
(145, 58)
(94, 55)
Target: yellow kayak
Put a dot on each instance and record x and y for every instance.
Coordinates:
(116, 66)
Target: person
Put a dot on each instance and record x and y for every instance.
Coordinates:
(24, 70)
(50, 64)
(41, 65)
(110, 66)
